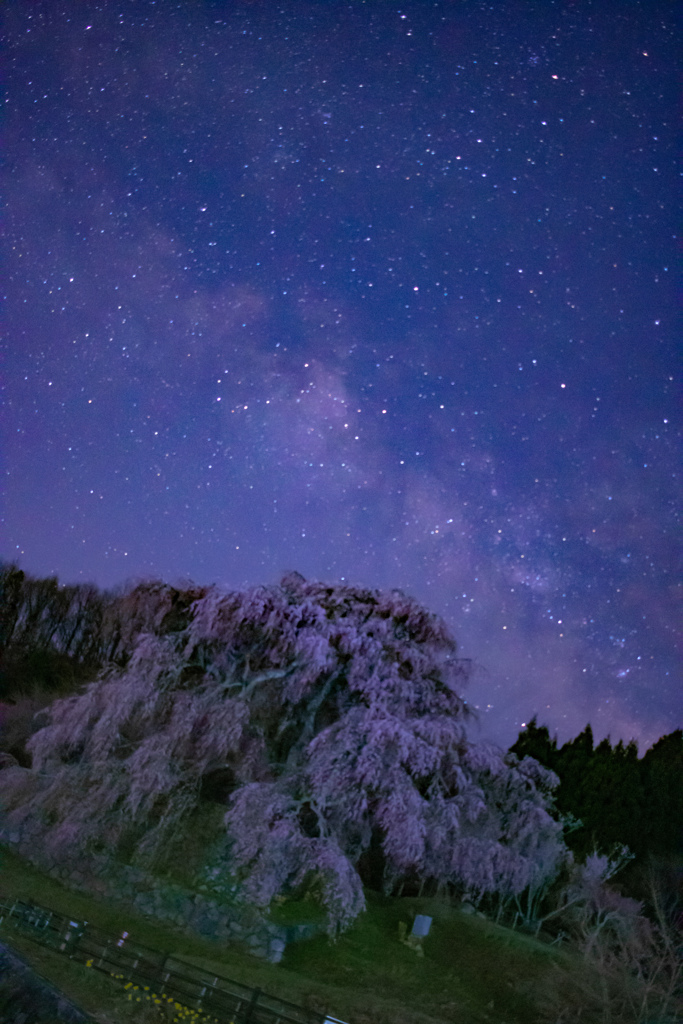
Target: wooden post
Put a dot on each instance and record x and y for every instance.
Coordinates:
(252, 1006)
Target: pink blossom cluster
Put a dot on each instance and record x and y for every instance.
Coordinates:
(336, 715)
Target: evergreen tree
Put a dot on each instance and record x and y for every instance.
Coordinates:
(662, 780)
(534, 741)
(619, 798)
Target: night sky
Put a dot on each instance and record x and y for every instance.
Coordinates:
(383, 293)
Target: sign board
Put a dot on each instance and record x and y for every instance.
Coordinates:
(421, 926)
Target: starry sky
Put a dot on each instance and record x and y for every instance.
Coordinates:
(379, 292)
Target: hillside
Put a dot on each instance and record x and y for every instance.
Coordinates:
(216, 768)
(472, 971)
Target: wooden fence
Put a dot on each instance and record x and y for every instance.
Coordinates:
(151, 975)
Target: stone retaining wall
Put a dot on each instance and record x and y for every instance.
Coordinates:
(104, 878)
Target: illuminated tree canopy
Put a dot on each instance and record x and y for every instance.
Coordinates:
(330, 721)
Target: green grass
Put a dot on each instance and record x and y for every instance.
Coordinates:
(472, 971)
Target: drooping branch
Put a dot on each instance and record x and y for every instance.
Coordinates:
(335, 716)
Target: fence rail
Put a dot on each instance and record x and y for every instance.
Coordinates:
(154, 974)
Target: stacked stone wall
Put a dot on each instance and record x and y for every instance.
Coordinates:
(104, 878)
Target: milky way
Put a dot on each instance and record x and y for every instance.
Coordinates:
(378, 293)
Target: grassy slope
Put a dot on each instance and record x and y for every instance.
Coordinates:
(472, 972)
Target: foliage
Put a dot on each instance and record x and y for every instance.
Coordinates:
(54, 638)
(329, 720)
(633, 962)
(49, 635)
(618, 797)
(39, 615)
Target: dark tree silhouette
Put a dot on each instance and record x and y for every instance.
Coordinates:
(620, 799)
(11, 582)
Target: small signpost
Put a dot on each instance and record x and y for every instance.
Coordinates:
(421, 926)
(420, 931)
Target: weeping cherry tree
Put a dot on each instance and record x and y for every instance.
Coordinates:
(328, 718)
